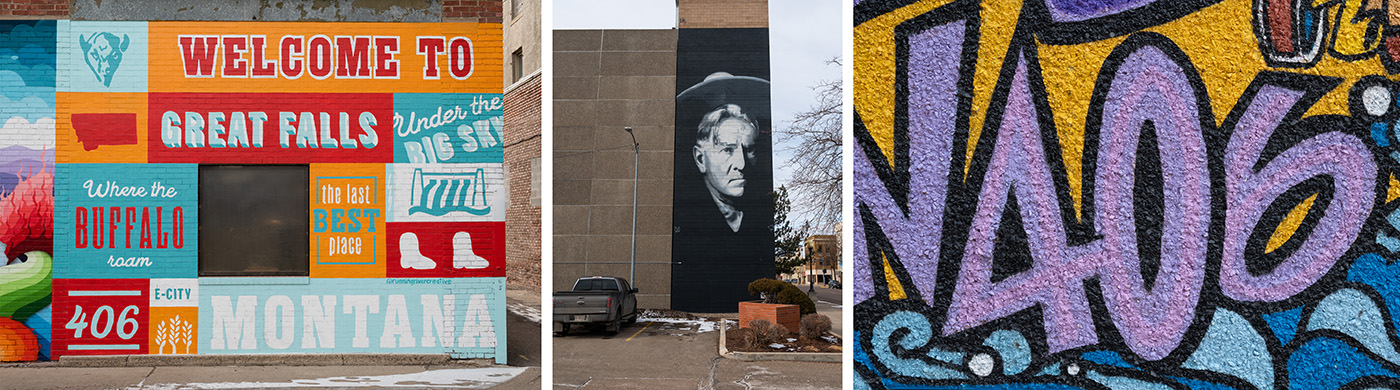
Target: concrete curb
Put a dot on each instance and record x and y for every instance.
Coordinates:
(832, 357)
(272, 360)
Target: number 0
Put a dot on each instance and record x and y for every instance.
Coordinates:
(97, 316)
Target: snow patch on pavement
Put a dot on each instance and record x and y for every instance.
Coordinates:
(525, 311)
(700, 325)
(469, 378)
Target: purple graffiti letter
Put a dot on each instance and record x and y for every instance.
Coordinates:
(1249, 194)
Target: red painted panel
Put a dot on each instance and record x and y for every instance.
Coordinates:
(100, 316)
(446, 249)
(320, 127)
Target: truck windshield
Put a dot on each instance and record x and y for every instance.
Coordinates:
(596, 285)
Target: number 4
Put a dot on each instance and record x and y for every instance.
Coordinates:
(78, 323)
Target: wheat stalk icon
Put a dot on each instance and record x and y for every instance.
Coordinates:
(179, 332)
(161, 339)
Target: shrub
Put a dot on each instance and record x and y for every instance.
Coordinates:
(776, 291)
(767, 289)
(749, 339)
(793, 296)
(814, 326)
(766, 332)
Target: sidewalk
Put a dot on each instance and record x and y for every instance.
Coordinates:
(523, 346)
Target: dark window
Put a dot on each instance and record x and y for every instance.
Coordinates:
(253, 220)
(596, 285)
(517, 65)
(514, 8)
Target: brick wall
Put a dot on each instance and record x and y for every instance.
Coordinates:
(789, 316)
(479, 11)
(723, 13)
(522, 135)
(34, 9)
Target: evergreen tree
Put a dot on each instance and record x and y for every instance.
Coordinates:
(787, 240)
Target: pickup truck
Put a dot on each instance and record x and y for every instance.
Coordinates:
(595, 300)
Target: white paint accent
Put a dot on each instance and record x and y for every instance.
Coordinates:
(477, 325)
(439, 318)
(125, 293)
(1376, 99)
(235, 332)
(397, 325)
(17, 131)
(361, 306)
(318, 321)
(981, 364)
(468, 378)
(279, 309)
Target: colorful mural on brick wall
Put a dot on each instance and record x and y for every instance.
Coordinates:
(27, 82)
(1126, 194)
(396, 128)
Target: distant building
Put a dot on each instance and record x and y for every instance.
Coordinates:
(522, 79)
(824, 259)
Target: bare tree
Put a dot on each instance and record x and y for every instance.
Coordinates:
(816, 182)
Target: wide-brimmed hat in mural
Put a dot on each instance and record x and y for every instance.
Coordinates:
(721, 88)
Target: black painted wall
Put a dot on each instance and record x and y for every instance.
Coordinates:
(713, 264)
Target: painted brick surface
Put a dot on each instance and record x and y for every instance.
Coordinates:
(130, 111)
(1125, 194)
(27, 83)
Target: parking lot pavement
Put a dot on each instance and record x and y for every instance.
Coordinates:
(672, 354)
(776, 375)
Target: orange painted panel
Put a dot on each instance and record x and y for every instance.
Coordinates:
(347, 221)
(100, 127)
(325, 57)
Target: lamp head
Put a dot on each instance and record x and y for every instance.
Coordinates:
(629, 129)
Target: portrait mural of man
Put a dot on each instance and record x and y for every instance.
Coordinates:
(723, 169)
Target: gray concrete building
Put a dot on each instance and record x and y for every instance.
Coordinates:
(605, 81)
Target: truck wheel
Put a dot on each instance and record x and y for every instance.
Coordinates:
(614, 326)
(632, 319)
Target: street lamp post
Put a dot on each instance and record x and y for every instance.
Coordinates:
(636, 155)
(811, 273)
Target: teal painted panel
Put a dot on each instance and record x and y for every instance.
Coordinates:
(460, 316)
(432, 128)
(103, 56)
(126, 221)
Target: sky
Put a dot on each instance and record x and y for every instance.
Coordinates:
(803, 35)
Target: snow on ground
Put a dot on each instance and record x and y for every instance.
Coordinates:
(700, 325)
(468, 378)
(528, 312)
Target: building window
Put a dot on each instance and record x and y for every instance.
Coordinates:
(514, 9)
(535, 182)
(253, 220)
(517, 65)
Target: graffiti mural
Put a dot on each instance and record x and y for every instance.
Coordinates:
(136, 153)
(27, 83)
(1090, 194)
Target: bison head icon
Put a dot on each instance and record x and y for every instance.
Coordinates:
(103, 53)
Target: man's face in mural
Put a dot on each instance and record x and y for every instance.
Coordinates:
(726, 151)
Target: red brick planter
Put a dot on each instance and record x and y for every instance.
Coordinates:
(785, 315)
